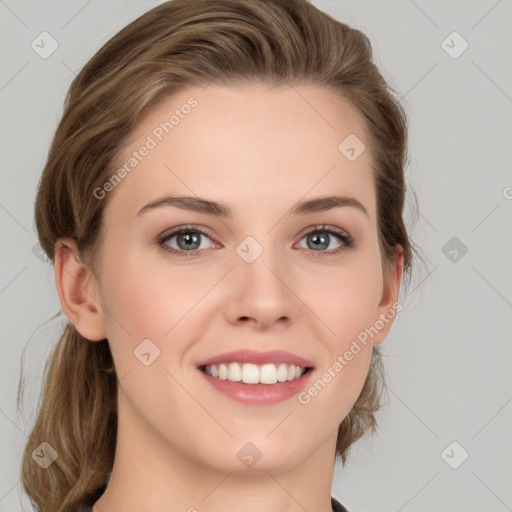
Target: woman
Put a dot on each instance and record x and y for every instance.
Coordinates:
(222, 202)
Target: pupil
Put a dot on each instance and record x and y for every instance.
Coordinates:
(320, 240)
(189, 238)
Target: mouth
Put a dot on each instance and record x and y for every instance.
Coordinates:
(257, 378)
(250, 373)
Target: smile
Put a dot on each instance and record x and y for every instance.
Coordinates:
(250, 373)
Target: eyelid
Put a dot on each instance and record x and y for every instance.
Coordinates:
(171, 233)
(323, 227)
(347, 240)
(187, 227)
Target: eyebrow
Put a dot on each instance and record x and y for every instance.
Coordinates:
(201, 205)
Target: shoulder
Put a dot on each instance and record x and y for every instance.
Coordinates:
(337, 506)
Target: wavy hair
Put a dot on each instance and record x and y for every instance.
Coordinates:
(174, 45)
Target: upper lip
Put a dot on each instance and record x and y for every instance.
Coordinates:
(256, 357)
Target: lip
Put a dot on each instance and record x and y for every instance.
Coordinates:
(259, 358)
(259, 394)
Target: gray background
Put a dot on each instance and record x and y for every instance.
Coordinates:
(448, 352)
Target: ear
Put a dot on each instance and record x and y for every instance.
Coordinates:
(78, 291)
(389, 306)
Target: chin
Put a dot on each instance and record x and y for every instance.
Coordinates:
(258, 454)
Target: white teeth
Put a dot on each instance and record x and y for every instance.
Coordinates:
(250, 373)
(282, 373)
(223, 371)
(268, 374)
(234, 372)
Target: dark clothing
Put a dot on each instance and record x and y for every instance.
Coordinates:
(87, 507)
(337, 506)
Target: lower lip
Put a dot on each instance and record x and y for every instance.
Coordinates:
(259, 394)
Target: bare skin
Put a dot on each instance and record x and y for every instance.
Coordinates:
(260, 151)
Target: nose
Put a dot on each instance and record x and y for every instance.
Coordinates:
(261, 293)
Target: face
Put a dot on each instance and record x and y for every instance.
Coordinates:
(181, 284)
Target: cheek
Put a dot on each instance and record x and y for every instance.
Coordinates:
(347, 309)
(145, 298)
(346, 299)
(151, 300)
(139, 303)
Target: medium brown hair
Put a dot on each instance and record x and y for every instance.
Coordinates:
(175, 45)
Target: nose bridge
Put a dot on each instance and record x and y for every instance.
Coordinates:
(260, 264)
(262, 291)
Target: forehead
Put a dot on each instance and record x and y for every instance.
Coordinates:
(246, 146)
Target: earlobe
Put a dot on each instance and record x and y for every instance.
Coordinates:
(388, 309)
(78, 291)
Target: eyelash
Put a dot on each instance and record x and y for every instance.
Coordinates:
(348, 241)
